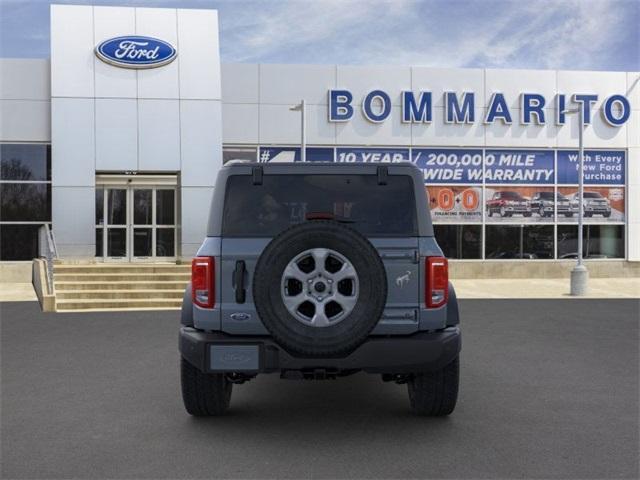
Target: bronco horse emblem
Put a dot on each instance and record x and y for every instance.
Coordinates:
(402, 280)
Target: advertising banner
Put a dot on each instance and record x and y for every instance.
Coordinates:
(520, 204)
(518, 166)
(455, 204)
(600, 167)
(601, 204)
(449, 166)
(292, 154)
(372, 155)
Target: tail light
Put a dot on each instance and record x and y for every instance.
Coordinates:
(203, 281)
(437, 281)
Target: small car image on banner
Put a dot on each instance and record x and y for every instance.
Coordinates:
(455, 204)
(600, 204)
(519, 204)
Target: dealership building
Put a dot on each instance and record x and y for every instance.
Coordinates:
(120, 160)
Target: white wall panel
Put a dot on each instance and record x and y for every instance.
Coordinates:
(24, 79)
(633, 89)
(633, 204)
(440, 80)
(73, 142)
(360, 131)
(278, 124)
(240, 123)
(597, 135)
(159, 82)
(199, 55)
(116, 134)
(195, 202)
(633, 129)
(439, 133)
(519, 135)
(240, 83)
(73, 217)
(158, 135)
(603, 84)
(633, 170)
(361, 80)
(318, 129)
(111, 81)
(201, 141)
(514, 82)
(72, 54)
(25, 121)
(288, 84)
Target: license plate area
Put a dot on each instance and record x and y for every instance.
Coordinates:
(234, 358)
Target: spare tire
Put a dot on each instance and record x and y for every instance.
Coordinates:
(319, 288)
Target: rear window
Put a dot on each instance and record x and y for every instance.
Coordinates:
(284, 200)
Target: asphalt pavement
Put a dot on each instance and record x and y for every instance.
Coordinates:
(549, 389)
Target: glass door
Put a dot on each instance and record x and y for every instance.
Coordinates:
(142, 223)
(115, 238)
(136, 223)
(165, 223)
(154, 224)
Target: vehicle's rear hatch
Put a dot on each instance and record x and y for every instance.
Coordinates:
(384, 212)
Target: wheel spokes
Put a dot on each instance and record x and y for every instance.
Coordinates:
(320, 318)
(293, 302)
(319, 257)
(346, 271)
(293, 271)
(346, 302)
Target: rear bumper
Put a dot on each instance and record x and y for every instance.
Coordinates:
(420, 352)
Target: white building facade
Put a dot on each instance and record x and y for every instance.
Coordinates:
(121, 161)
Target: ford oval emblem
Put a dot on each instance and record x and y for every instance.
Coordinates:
(134, 51)
(240, 316)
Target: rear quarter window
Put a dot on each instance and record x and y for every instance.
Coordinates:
(285, 200)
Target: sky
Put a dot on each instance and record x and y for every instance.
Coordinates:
(534, 34)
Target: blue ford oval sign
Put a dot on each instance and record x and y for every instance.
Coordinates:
(134, 51)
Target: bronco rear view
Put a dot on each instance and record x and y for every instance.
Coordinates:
(318, 271)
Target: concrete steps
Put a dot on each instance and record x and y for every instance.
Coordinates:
(115, 287)
(62, 286)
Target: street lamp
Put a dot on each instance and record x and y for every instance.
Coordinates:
(303, 140)
(579, 274)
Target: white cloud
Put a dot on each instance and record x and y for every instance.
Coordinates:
(535, 34)
(555, 34)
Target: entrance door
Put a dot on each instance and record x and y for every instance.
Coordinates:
(136, 223)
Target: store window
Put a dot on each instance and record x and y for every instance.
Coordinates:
(25, 198)
(248, 154)
(528, 242)
(460, 241)
(598, 241)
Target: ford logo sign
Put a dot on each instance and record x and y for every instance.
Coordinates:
(134, 51)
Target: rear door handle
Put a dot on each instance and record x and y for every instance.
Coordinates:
(238, 281)
(413, 256)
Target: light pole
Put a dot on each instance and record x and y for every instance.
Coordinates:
(580, 274)
(303, 127)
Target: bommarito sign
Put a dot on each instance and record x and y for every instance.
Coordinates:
(460, 108)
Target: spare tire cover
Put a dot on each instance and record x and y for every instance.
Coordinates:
(319, 288)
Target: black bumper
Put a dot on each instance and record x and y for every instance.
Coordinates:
(420, 352)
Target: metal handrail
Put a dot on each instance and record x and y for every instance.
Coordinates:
(50, 252)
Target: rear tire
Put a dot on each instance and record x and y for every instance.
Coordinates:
(204, 394)
(434, 394)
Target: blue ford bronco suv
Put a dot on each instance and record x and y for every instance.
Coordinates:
(316, 271)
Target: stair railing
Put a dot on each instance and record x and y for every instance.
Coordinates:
(48, 250)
